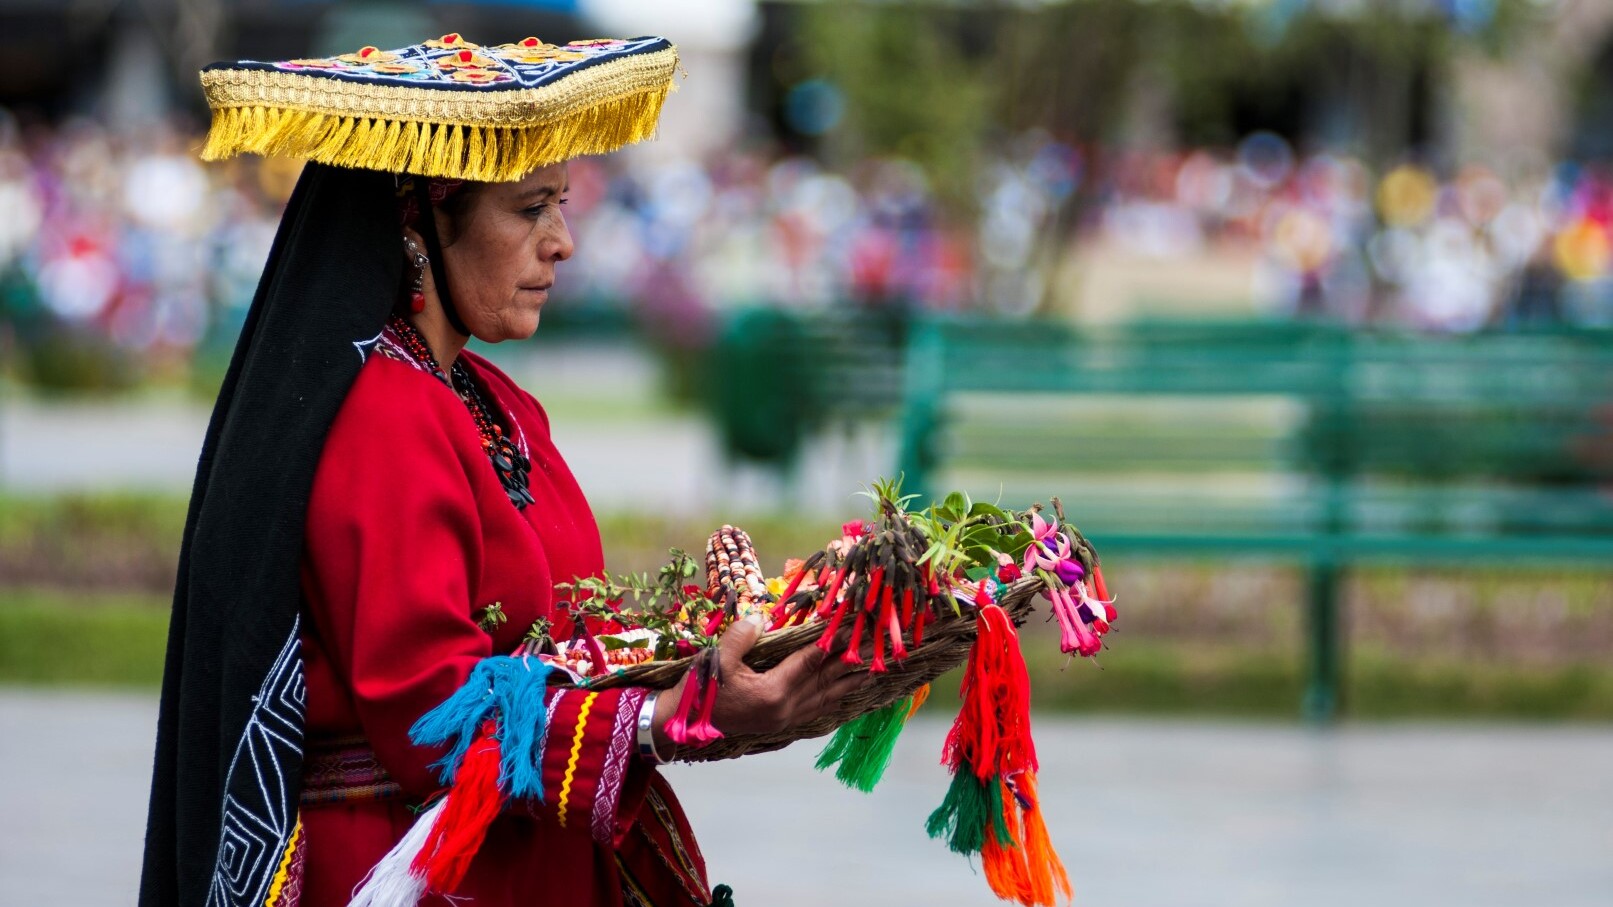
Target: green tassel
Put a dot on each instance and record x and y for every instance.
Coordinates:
(970, 807)
(863, 746)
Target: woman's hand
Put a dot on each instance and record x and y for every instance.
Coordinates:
(796, 691)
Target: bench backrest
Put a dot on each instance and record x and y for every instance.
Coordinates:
(1273, 432)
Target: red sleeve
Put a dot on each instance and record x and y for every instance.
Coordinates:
(393, 540)
(592, 778)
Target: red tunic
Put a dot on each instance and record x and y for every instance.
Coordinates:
(410, 536)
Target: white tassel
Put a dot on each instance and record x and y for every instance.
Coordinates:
(391, 883)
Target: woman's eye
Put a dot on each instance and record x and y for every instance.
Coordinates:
(539, 208)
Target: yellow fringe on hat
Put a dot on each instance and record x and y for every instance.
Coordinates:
(481, 136)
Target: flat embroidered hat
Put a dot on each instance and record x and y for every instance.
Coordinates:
(444, 108)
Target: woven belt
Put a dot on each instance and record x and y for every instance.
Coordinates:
(344, 771)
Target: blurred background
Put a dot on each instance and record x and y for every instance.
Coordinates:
(1303, 307)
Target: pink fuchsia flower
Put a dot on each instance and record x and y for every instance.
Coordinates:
(1048, 546)
(1069, 571)
(1094, 610)
(1075, 637)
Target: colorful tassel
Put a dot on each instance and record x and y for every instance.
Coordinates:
(467, 812)
(861, 749)
(991, 807)
(392, 882)
(503, 687)
(1046, 869)
(971, 808)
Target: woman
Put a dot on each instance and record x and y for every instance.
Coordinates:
(379, 514)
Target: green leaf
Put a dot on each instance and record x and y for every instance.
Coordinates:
(611, 643)
(985, 508)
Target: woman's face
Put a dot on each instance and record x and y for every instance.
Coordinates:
(500, 251)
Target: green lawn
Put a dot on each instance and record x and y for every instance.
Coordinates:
(54, 638)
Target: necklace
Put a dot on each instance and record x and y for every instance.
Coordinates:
(508, 461)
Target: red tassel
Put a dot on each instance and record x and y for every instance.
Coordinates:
(471, 807)
(992, 731)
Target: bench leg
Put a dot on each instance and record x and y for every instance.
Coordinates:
(1322, 689)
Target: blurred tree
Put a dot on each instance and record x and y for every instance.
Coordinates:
(935, 80)
(917, 81)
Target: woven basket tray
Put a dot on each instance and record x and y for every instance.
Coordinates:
(946, 645)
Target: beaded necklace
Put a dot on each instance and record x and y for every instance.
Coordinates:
(508, 461)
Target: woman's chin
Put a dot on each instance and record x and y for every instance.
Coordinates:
(519, 327)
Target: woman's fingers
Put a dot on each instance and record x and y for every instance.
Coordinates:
(737, 641)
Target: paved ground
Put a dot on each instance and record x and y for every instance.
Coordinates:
(1146, 814)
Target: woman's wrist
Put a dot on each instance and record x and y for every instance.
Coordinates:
(653, 743)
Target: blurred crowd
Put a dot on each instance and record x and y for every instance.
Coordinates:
(130, 239)
(1476, 249)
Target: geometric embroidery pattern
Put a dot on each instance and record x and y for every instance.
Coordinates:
(260, 791)
(463, 65)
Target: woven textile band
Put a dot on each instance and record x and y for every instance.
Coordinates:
(344, 771)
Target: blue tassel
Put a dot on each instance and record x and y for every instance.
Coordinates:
(522, 727)
(511, 688)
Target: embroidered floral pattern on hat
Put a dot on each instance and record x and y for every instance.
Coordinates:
(446, 107)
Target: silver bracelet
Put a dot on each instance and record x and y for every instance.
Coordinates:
(646, 730)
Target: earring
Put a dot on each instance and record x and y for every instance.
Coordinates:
(417, 295)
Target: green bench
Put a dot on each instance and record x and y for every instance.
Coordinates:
(1316, 445)
(775, 377)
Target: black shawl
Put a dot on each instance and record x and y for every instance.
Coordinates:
(229, 735)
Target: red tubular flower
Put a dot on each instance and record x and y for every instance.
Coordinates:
(838, 609)
(853, 656)
(1098, 584)
(898, 649)
(596, 652)
(677, 727)
(886, 621)
(713, 623)
(703, 731)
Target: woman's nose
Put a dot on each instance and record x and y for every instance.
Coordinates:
(560, 244)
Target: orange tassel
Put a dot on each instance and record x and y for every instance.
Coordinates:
(1046, 870)
(1004, 863)
(920, 696)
